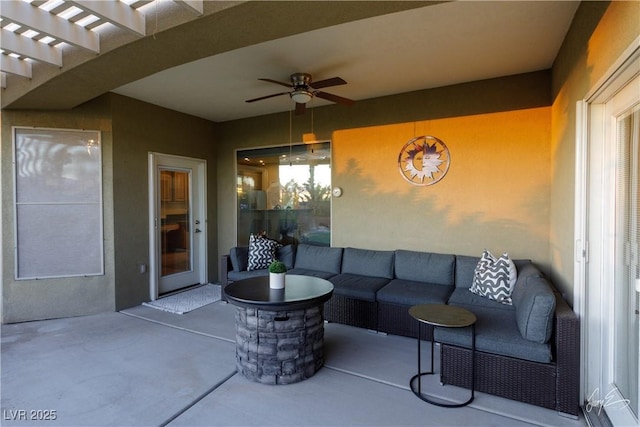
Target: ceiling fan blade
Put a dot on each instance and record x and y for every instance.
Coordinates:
(335, 81)
(334, 98)
(266, 97)
(277, 82)
(300, 108)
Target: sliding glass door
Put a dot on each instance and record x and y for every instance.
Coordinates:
(627, 273)
(285, 193)
(612, 332)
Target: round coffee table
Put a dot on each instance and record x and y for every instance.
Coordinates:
(279, 332)
(446, 316)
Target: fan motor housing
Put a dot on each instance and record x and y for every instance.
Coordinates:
(300, 79)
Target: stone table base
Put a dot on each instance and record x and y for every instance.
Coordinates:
(279, 347)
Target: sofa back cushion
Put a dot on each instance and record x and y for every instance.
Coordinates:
(239, 258)
(365, 262)
(535, 305)
(465, 267)
(287, 254)
(319, 258)
(524, 273)
(437, 269)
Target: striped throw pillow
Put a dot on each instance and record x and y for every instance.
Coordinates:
(262, 251)
(494, 278)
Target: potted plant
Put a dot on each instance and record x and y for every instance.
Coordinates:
(277, 271)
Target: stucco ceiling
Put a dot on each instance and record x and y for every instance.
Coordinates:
(416, 49)
(423, 45)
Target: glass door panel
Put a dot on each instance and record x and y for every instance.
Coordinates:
(627, 274)
(175, 222)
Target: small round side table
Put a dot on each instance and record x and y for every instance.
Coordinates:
(446, 316)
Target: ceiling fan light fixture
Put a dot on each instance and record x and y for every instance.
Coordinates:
(301, 96)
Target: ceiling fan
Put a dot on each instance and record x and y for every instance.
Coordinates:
(304, 88)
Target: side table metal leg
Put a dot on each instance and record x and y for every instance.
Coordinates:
(432, 357)
(419, 375)
(419, 360)
(442, 316)
(473, 361)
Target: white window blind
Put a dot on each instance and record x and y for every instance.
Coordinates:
(626, 299)
(58, 203)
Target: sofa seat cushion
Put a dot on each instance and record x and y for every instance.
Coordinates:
(319, 258)
(357, 287)
(234, 276)
(315, 273)
(467, 299)
(365, 262)
(409, 292)
(496, 332)
(425, 267)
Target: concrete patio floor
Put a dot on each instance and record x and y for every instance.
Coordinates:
(145, 367)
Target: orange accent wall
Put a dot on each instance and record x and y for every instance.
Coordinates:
(495, 194)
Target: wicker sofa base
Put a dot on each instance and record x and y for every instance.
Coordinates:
(549, 385)
(359, 313)
(516, 379)
(395, 319)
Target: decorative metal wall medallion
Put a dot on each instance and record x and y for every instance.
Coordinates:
(424, 160)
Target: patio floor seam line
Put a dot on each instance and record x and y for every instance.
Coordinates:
(407, 388)
(198, 399)
(135, 316)
(366, 377)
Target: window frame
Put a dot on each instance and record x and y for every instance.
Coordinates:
(98, 240)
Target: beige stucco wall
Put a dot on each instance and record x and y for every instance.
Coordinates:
(140, 128)
(495, 195)
(61, 297)
(130, 130)
(600, 33)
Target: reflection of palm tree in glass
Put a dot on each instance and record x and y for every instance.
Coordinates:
(307, 202)
(292, 194)
(306, 195)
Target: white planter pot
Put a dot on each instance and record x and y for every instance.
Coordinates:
(276, 280)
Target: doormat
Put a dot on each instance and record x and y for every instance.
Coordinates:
(187, 301)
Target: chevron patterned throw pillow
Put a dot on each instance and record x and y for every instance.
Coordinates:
(494, 278)
(262, 251)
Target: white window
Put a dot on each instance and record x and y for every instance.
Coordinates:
(58, 203)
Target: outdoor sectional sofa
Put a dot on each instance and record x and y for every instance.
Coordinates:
(528, 351)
